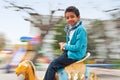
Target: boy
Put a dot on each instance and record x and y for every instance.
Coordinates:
(75, 46)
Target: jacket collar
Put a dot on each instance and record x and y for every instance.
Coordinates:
(69, 28)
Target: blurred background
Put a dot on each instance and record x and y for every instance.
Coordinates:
(32, 29)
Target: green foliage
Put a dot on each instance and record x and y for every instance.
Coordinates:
(91, 46)
(59, 36)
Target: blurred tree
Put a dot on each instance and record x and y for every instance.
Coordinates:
(97, 32)
(2, 41)
(59, 36)
(116, 16)
(98, 29)
(115, 12)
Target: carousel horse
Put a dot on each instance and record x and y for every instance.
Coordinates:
(75, 71)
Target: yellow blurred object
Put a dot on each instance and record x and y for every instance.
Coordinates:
(4, 55)
(1, 49)
(29, 47)
(91, 62)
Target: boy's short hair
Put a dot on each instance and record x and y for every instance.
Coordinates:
(73, 9)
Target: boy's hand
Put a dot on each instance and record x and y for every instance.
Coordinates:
(62, 44)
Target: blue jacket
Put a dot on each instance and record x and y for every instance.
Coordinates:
(78, 44)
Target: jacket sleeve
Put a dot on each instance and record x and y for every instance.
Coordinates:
(81, 41)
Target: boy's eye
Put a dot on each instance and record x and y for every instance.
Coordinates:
(72, 16)
(67, 17)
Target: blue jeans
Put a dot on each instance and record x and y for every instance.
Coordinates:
(56, 64)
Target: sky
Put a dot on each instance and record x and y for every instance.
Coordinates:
(13, 25)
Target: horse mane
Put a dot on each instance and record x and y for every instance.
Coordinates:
(32, 65)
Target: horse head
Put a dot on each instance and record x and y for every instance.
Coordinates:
(26, 68)
(22, 68)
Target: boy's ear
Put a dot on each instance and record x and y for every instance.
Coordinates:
(79, 17)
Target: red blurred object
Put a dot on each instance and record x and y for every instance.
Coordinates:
(43, 59)
(7, 51)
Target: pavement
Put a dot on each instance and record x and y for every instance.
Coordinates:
(102, 73)
(13, 76)
(106, 74)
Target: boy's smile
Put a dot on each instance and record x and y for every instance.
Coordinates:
(71, 18)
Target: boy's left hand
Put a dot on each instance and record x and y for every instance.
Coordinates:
(62, 44)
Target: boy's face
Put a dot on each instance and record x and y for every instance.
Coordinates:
(71, 18)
